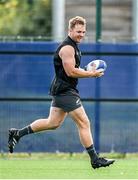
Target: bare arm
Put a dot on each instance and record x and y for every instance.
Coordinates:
(67, 55)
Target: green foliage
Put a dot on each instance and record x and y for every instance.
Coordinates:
(25, 17)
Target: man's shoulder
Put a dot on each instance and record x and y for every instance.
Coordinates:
(66, 44)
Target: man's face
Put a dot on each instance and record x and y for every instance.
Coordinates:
(77, 33)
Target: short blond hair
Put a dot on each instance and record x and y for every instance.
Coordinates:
(76, 20)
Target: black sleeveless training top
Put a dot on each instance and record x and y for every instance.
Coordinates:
(63, 84)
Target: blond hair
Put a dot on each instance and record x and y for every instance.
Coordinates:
(76, 20)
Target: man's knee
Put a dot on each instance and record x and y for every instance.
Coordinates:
(53, 124)
(85, 124)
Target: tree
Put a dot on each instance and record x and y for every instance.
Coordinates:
(25, 18)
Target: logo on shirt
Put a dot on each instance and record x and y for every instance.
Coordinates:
(78, 102)
(78, 53)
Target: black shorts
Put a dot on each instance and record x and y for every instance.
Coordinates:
(66, 102)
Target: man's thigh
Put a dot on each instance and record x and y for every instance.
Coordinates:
(57, 114)
(79, 116)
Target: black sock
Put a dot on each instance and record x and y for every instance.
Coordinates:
(24, 131)
(92, 152)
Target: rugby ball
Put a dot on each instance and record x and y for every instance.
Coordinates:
(96, 65)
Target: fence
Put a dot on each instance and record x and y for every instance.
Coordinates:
(26, 74)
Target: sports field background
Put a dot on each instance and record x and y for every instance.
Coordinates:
(111, 102)
(26, 67)
(65, 166)
(26, 74)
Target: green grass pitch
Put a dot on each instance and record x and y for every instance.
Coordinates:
(64, 166)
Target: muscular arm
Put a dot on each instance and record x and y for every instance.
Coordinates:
(67, 55)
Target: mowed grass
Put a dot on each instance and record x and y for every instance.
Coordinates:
(64, 166)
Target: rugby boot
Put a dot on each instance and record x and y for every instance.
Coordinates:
(101, 162)
(13, 139)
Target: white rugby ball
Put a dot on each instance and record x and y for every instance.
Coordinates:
(96, 64)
